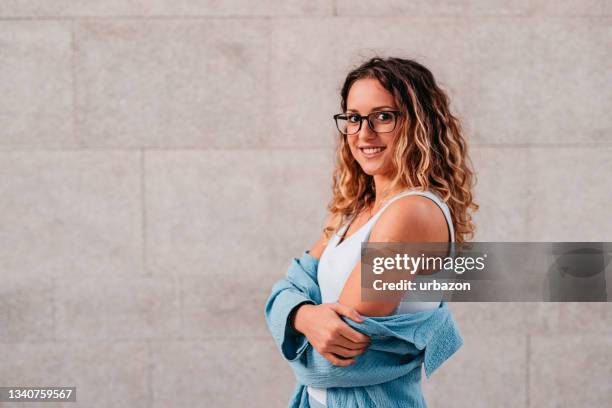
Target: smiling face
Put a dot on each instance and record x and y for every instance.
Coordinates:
(367, 95)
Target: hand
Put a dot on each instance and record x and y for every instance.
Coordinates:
(329, 334)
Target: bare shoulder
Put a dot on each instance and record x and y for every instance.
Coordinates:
(413, 218)
(318, 247)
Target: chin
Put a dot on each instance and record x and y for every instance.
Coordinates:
(371, 171)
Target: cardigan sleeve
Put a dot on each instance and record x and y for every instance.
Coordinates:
(285, 296)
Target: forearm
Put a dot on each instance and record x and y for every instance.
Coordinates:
(294, 326)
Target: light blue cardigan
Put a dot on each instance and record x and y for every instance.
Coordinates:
(387, 374)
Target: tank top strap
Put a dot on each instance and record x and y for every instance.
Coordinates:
(429, 194)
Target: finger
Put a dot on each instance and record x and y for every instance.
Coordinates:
(344, 352)
(349, 344)
(348, 312)
(352, 334)
(337, 361)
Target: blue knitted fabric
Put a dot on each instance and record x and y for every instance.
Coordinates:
(387, 374)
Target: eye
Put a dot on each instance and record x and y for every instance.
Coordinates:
(354, 118)
(384, 116)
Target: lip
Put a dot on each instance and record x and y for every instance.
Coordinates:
(371, 155)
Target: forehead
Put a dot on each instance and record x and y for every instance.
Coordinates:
(367, 93)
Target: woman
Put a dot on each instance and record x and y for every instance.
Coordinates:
(402, 176)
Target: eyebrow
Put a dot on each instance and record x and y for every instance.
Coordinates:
(373, 109)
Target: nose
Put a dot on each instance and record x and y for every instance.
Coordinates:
(365, 130)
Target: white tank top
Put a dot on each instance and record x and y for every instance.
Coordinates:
(339, 259)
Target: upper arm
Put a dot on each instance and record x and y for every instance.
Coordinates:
(317, 248)
(408, 219)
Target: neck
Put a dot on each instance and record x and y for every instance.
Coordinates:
(382, 185)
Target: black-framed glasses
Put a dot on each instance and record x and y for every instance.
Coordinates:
(379, 121)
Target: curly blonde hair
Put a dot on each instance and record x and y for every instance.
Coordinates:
(430, 150)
